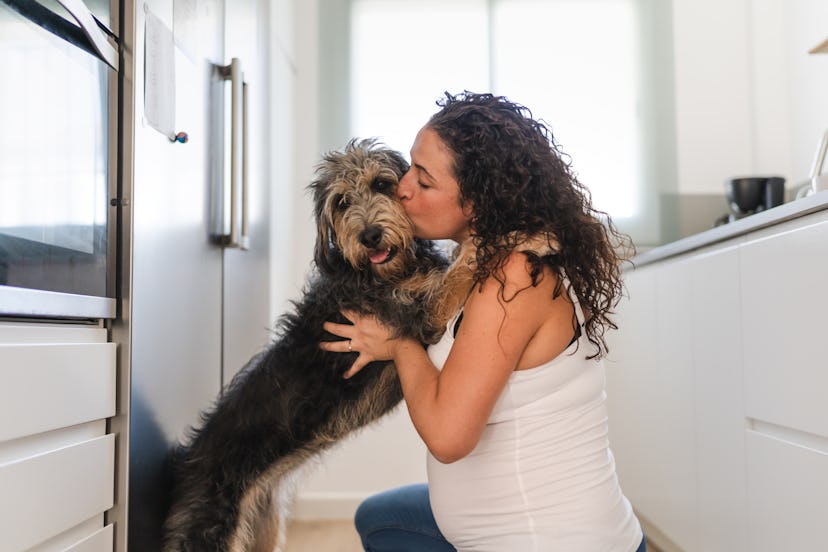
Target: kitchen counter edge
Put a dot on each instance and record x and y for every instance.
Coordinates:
(788, 211)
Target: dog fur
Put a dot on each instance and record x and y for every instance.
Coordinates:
(232, 480)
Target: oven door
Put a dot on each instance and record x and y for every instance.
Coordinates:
(58, 158)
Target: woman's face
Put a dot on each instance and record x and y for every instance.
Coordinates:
(430, 193)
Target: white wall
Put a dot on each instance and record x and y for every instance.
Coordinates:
(749, 98)
(807, 77)
(288, 257)
(710, 45)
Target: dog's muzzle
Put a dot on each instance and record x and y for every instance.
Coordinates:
(371, 238)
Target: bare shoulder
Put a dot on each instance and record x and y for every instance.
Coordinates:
(522, 317)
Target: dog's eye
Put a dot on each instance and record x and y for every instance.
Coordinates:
(382, 186)
(341, 202)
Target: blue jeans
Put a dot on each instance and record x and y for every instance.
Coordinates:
(400, 520)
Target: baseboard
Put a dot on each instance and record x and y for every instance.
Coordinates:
(314, 506)
(656, 540)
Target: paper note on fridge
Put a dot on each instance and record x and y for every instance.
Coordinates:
(159, 71)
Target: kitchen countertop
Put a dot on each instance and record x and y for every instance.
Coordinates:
(771, 217)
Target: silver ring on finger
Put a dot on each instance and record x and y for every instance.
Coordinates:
(349, 346)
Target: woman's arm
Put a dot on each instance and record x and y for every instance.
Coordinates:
(449, 408)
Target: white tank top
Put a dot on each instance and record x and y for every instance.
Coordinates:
(542, 477)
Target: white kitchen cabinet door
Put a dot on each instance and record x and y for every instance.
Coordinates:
(719, 406)
(788, 488)
(673, 438)
(630, 368)
(48, 386)
(87, 537)
(47, 493)
(101, 541)
(784, 301)
(650, 399)
(57, 387)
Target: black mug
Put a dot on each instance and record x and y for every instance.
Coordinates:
(752, 194)
(774, 192)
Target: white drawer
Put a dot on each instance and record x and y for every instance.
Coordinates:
(100, 541)
(787, 487)
(46, 494)
(49, 386)
(18, 333)
(89, 536)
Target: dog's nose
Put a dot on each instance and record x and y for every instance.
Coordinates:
(371, 236)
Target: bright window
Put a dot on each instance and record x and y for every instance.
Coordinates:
(404, 54)
(574, 63)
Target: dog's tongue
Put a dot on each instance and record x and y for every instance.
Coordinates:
(378, 256)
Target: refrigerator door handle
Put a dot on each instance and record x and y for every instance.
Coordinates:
(244, 236)
(236, 154)
(234, 234)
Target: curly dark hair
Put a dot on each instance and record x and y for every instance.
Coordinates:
(511, 170)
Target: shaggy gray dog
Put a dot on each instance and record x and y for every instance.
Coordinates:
(232, 480)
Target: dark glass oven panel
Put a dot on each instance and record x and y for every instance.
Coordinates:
(54, 155)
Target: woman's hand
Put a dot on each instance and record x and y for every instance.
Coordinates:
(367, 336)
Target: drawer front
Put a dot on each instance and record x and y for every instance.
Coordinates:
(46, 494)
(787, 486)
(17, 333)
(100, 541)
(44, 387)
(784, 278)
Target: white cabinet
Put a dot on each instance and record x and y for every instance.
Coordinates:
(57, 463)
(718, 392)
(784, 298)
(717, 402)
(674, 396)
(788, 492)
(631, 363)
(672, 378)
(52, 385)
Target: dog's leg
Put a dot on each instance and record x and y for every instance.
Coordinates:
(253, 505)
(266, 531)
(264, 507)
(455, 284)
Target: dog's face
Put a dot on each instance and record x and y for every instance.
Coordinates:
(358, 212)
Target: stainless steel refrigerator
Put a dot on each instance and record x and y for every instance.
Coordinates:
(194, 257)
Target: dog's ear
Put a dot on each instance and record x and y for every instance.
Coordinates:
(324, 232)
(323, 249)
(325, 175)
